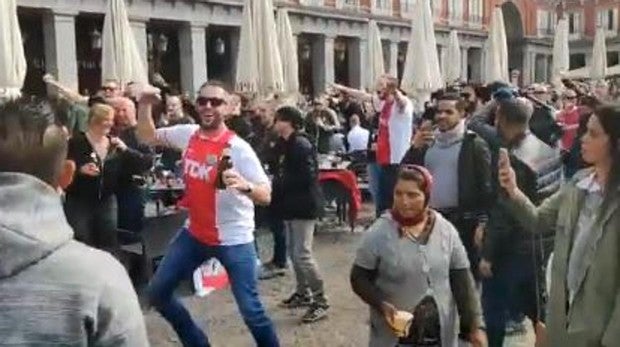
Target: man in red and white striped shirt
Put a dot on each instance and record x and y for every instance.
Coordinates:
(221, 221)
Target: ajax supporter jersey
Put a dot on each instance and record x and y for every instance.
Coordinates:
(216, 217)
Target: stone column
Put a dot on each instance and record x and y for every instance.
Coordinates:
(465, 63)
(234, 53)
(393, 66)
(539, 70)
(545, 68)
(525, 74)
(358, 51)
(323, 62)
(476, 64)
(442, 58)
(138, 26)
(59, 45)
(193, 51)
(529, 67)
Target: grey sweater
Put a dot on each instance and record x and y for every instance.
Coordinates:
(53, 290)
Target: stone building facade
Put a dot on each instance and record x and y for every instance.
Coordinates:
(189, 41)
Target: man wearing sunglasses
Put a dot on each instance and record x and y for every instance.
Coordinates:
(110, 89)
(221, 222)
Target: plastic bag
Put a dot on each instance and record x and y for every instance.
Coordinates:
(209, 277)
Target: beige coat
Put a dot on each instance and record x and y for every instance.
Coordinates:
(593, 319)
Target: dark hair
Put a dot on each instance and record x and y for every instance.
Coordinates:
(30, 141)
(483, 93)
(96, 99)
(418, 174)
(514, 111)
(461, 104)
(609, 117)
(495, 86)
(291, 115)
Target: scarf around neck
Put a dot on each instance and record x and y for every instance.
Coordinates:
(452, 136)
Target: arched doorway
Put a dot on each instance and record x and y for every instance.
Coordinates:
(513, 23)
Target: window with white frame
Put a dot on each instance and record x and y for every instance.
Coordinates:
(348, 4)
(546, 22)
(406, 8)
(455, 11)
(608, 19)
(575, 23)
(314, 3)
(436, 8)
(382, 7)
(476, 11)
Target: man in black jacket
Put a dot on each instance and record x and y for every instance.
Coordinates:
(460, 163)
(130, 192)
(512, 258)
(296, 197)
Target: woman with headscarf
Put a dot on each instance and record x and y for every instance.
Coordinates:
(412, 260)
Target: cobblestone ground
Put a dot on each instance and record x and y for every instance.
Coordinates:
(346, 326)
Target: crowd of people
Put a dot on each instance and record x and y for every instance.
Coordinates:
(493, 203)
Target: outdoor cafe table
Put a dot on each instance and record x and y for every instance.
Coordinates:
(334, 178)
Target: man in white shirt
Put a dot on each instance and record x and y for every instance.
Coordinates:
(393, 136)
(221, 219)
(357, 137)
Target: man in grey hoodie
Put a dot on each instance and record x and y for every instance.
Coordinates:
(53, 290)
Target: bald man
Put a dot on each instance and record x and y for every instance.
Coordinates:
(124, 114)
(174, 112)
(130, 192)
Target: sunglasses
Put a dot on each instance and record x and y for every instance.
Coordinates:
(214, 102)
(570, 97)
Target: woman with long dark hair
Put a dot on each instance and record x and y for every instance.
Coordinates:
(584, 304)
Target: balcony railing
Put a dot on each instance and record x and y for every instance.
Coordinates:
(575, 36)
(382, 7)
(313, 3)
(544, 32)
(351, 5)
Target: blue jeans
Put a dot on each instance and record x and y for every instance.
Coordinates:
(385, 192)
(373, 181)
(279, 241)
(183, 256)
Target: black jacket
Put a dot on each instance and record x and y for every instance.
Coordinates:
(538, 169)
(99, 188)
(296, 192)
(475, 189)
(138, 163)
(543, 125)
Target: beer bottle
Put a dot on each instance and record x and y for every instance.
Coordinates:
(224, 164)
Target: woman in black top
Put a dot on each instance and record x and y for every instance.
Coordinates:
(90, 204)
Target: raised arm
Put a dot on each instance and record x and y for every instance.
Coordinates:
(146, 126)
(401, 99)
(479, 123)
(69, 94)
(536, 219)
(356, 93)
